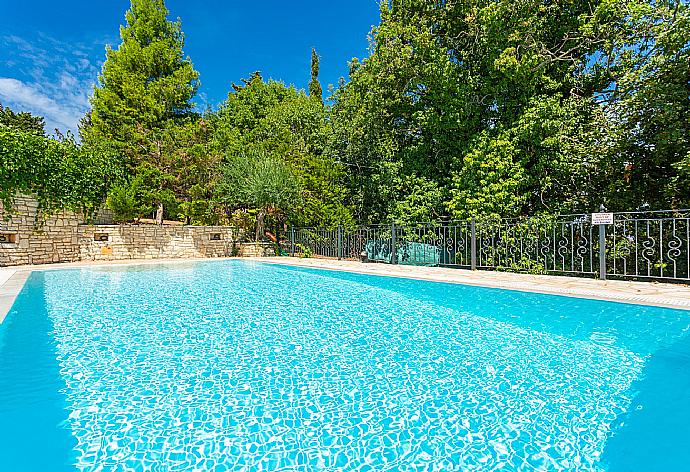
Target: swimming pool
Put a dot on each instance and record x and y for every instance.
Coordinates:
(235, 365)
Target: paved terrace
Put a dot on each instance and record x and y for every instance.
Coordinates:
(11, 283)
(641, 293)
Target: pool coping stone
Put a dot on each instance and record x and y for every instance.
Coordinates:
(10, 289)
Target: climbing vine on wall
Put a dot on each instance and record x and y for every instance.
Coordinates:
(59, 173)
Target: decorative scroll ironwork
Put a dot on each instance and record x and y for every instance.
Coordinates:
(643, 245)
(650, 245)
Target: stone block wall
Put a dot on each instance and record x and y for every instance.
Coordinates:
(66, 238)
(54, 241)
(257, 250)
(117, 242)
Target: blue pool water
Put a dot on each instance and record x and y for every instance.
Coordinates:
(233, 365)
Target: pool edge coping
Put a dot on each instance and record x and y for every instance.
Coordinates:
(10, 289)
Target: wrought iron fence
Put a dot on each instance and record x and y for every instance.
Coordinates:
(638, 245)
(650, 245)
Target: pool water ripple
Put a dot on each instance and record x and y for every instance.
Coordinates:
(239, 366)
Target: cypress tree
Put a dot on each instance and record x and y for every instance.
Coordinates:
(314, 85)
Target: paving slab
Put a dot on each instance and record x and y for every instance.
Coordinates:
(5, 274)
(9, 290)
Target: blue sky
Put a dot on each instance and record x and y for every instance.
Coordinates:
(51, 52)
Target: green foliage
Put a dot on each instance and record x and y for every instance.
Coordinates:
(146, 83)
(419, 201)
(200, 208)
(22, 121)
(524, 265)
(517, 108)
(258, 180)
(479, 108)
(489, 180)
(681, 183)
(315, 90)
(122, 200)
(143, 102)
(643, 69)
(304, 252)
(140, 196)
(269, 117)
(60, 174)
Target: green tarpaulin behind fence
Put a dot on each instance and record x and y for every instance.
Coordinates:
(409, 253)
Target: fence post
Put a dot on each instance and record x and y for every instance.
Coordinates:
(292, 240)
(394, 259)
(602, 252)
(340, 241)
(474, 243)
(602, 247)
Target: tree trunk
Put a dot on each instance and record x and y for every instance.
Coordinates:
(159, 210)
(260, 224)
(159, 214)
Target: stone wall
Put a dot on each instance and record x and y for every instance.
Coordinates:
(117, 242)
(55, 241)
(256, 250)
(66, 238)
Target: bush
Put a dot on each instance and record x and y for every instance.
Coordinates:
(60, 174)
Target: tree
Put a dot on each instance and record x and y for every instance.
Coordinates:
(143, 102)
(269, 117)
(198, 171)
(644, 74)
(516, 107)
(315, 90)
(403, 115)
(23, 121)
(141, 195)
(258, 180)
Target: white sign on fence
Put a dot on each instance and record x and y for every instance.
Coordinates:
(602, 218)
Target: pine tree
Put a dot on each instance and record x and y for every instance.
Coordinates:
(145, 91)
(314, 85)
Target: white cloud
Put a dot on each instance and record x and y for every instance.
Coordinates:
(67, 80)
(26, 97)
(50, 77)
